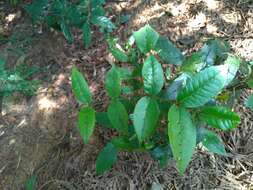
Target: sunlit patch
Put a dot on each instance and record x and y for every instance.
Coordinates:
(176, 10)
(12, 141)
(93, 87)
(233, 18)
(22, 123)
(198, 22)
(212, 4)
(10, 17)
(211, 28)
(45, 103)
(60, 79)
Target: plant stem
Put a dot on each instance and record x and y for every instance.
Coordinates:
(1, 104)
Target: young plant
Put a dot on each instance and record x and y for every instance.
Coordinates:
(15, 81)
(163, 117)
(13, 2)
(63, 15)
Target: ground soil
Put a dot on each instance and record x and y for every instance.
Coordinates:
(38, 135)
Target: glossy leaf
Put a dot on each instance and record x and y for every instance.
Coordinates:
(86, 35)
(146, 38)
(97, 12)
(168, 52)
(171, 92)
(103, 120)
(119, 54)
(2, 68)
(123, 143)
(104, 22)
(95, 3)
(125, 73)
(152, 74)
(145, 117)
(249, 83)
(66, 32)
(86, 123)
(118, 116)
(219, 117)
(106, 158)
(35, 9)
(212, 141)
(182, 136)
(214, 49)
(231, 67)
(80, 87)
(203, 87)
(249, 102)
(193, 63)
(113, 82)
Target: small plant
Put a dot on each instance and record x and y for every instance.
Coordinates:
(155, 110)
(14, 2)
(63, 15)
(15, 81)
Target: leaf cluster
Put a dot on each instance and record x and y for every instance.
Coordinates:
(64, 15)
(16, 80)
(154, 111)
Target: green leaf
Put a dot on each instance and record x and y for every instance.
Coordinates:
(146, 38)
(2, 67)
(119, 54)
(80, 87)
(182, 136)
(125, 73)
(66, 32)
(86, 35)
(152, 74)
(219, 117)
(104, 22)
(113, 82)
(211, 141)
(214, 49)
(231, 66)
(123, 143)
(36, 9)
(203, 87)
(86, 123)
(168, 52)
(162, 153)
(123, 19)
(106, 158)
(193, 63)
(250, 83)
(118, 116)
(145, 117)
(95, 3)
(31, 183)
(103, 120)
(129, 103)
(97, 12)
(127, 90)
(171, 92)
(249, 102)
